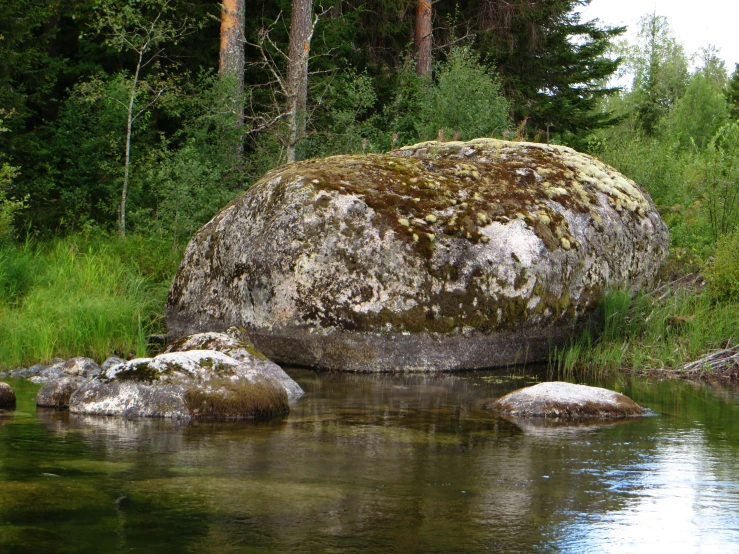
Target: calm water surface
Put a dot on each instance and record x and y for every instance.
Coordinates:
(378, 464)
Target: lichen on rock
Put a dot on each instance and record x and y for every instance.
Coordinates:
(438, 256)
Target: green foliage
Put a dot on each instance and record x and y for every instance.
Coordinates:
(82, 297)
(27, 69)
(649, 334)
(465, 100)
(660, 70)
(732, 93)
(181, 182)
(716, 178)
(554, 65)
(698, 114)
(9, 209)
(345, 123)
(722, 272)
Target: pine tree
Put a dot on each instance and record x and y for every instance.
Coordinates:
(553, 65)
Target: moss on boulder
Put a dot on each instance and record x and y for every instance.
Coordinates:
(438, 256)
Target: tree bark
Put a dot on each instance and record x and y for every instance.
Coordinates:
(232, 52)
(423, 36)
(301, 32)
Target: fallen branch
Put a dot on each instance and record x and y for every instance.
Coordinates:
(719, 360)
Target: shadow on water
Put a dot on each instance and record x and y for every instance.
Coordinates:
(391, 463)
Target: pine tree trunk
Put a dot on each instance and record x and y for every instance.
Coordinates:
(232, 56)
(423, 36)
(301, 31)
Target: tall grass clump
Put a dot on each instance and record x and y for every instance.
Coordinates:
(647, 333)
(79, 296)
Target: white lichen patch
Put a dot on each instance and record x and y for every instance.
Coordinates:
(514, 239)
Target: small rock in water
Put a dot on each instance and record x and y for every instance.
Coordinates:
(7, 396)
(236, 344)
(565, 400)
(55, 394)
(19, 373)
(192, 383)
(51, 373)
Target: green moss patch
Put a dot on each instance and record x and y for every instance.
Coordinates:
(226, 399)
(139, 372)
(440, 193)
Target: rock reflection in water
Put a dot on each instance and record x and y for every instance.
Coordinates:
(377, 463)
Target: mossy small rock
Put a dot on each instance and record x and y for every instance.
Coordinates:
(7, 397)
(438, 256)
(235, 343)
(184, 385)
(566, 401)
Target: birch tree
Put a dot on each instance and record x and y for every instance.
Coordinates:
(142, 29)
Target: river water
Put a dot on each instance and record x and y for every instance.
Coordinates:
(368, 463)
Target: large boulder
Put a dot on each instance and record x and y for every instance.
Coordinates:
(183, 385)
(566, 401)
(439, 256)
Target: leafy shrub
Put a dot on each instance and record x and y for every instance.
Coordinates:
(465, 100)
(722, 272)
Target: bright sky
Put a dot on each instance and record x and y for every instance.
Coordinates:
(695, 24)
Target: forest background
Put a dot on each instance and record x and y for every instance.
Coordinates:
(125, 125)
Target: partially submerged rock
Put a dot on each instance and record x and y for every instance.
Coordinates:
(439, 256)
(236, 344)
(182, 385)
(56, 393)
(566, 401)
(7, 397)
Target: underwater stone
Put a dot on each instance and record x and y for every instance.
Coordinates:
(566, 401)
(327, 275)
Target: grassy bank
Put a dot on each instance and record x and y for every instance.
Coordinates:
(82, 296)
(682, 329)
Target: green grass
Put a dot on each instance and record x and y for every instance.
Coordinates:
(646, 334)
(79, 296)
